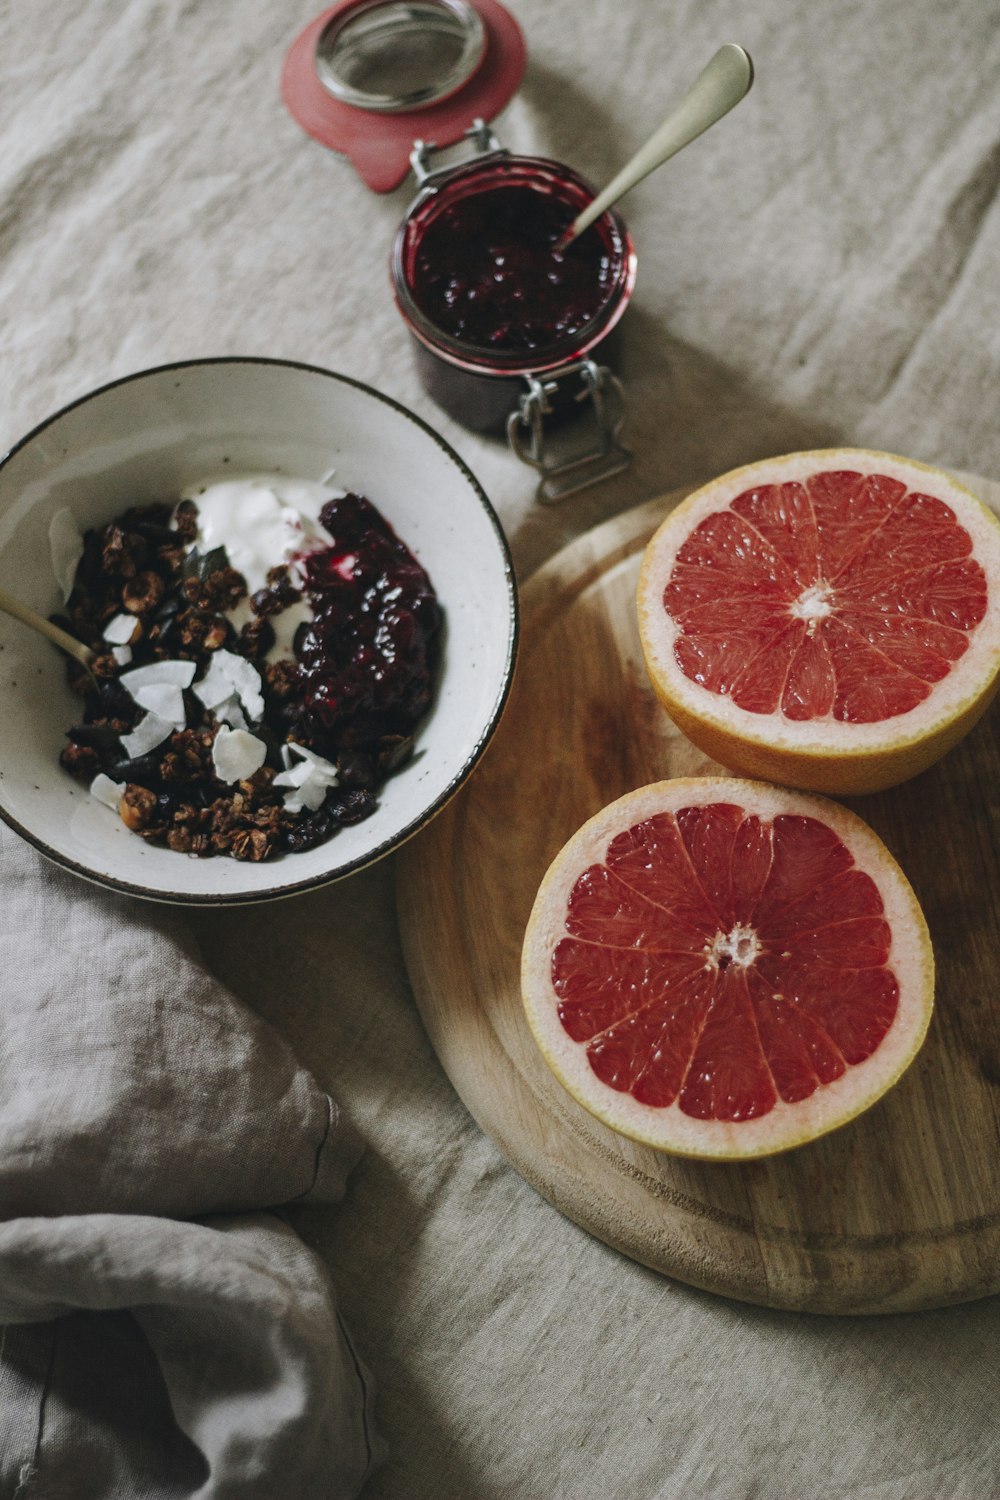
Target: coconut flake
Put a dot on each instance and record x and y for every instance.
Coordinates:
(215, 687)
(165, 699)
(158, 688)
(311, 797)
(295, 775)
(230, 713)
(66, 549)
(175, 673)
(229, 674)
(107, 791)
(308, 782)
(237, 754)
(122, 655)
(120, 630)
(312, 759)
(246, 683)
(150, 731)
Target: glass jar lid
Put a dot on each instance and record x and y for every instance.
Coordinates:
(367, 78)
(395, 55)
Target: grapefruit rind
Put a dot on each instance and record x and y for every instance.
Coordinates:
(822, 755)
(786, 1125)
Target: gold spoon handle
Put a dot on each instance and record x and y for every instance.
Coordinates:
(717, 89)
(60, 638)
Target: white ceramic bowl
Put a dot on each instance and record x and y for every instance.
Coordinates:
(146, 437)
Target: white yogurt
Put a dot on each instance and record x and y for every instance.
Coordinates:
(264, 520)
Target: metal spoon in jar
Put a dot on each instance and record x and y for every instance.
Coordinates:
(724, 81)
(61, 638)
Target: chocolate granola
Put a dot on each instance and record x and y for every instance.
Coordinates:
(340, 711)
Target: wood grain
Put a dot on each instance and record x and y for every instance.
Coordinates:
(897, 1211)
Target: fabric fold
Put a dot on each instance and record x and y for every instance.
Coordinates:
(166, 1335)
(251, 1382)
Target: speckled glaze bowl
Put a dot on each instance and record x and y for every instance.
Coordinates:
(144, 438)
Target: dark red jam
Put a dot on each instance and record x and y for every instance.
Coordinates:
(487, 271)
(368, 656)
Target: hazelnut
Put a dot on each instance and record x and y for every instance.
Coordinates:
(143, 593)
(137, 806)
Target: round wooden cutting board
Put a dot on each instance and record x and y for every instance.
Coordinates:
(896, 1211)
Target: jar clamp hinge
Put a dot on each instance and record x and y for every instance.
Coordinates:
(566, 473)
(484, 143)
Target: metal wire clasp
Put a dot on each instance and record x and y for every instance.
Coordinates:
(569, 472)
(484, 143)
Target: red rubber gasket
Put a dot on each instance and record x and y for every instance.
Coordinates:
(379, 145)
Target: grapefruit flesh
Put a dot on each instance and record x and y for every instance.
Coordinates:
(827, 619)
(721, 968)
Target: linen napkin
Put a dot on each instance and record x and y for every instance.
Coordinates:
(166, 1335)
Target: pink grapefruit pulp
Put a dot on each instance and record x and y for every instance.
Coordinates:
(725, 969)
(830, 620)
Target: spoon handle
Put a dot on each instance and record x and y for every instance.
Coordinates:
(720, 85)
(11, 606)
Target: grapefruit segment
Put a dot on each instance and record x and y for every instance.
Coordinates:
(830, 620)
(722, 968)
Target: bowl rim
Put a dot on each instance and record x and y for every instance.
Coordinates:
(387, 846)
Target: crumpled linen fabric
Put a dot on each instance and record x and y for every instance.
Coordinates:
(165, 1334)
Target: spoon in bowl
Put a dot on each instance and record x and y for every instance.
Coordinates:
(721, 84)
(61, 638)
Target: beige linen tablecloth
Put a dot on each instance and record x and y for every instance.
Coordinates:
(167, 1334)
(823, 267)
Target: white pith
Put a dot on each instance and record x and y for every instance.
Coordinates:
(965, 682)
(786, 1125)
(814, 603)
(739, 947)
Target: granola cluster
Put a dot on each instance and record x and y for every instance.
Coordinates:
(143, 594)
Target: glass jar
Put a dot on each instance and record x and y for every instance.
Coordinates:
(526, 391)
(368, 76)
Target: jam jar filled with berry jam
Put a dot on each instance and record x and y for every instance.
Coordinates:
(512, 330)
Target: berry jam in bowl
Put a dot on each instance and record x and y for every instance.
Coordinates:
(299, 714)
(492, 300)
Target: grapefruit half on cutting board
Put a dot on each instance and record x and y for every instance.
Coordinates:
(726, 969)
(830, 620)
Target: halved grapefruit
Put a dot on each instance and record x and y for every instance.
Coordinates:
(722, 968)
(829, 620)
